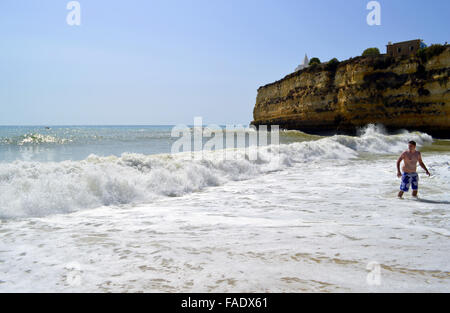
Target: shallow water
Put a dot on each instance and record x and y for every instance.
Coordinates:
(311, 222)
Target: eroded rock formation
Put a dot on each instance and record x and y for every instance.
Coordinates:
(403, 93)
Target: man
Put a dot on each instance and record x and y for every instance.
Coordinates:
(410, 177)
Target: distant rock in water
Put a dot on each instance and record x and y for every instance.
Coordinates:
(400, 93)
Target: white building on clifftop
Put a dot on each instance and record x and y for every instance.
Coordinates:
(304, 65)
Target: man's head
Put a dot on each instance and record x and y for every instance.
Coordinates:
(412, 146)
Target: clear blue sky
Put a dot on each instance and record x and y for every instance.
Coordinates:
(164, 62)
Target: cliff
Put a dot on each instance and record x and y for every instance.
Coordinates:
(400, 93)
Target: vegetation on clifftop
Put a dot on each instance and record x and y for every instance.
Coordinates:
(332, 65)
(314, 61)
(371, 52)
(427, 53)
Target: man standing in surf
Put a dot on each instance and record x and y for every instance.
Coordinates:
(410, 176)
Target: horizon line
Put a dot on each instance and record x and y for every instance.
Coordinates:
(137, 125)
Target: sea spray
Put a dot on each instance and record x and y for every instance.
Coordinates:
(40, 189)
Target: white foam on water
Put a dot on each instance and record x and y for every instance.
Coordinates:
(311, 222)
(38, 189)
(314, 226)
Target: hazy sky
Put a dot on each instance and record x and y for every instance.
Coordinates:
(164, 62)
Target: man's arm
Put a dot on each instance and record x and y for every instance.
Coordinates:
(399, 173)
(422, 165)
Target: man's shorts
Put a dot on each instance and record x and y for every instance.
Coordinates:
(409, 179)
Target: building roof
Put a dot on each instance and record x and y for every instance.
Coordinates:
(402, 42)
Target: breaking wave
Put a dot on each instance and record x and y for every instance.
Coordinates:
(33, 138)
(40, 189)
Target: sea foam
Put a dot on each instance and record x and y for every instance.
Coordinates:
(40, 189)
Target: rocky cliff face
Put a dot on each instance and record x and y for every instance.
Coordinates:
(404, 93)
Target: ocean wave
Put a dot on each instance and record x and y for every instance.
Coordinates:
(374, 139)
(40, 189)
(34, 138)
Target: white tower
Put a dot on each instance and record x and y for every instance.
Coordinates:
(304, 65)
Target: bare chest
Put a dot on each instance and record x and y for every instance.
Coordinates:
(411, 157)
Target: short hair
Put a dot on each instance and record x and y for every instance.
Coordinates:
(412, 142)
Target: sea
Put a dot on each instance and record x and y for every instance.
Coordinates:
(111, 209)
